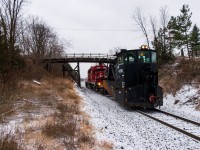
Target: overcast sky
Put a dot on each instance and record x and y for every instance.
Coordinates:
(96, 26)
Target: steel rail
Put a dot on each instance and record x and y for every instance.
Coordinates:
(181, 118)
(169, 125)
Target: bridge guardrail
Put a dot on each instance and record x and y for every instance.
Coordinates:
(89, 55)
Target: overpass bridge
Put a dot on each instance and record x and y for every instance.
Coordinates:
(78, 58)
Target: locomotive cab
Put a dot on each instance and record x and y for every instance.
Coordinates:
(136, 79)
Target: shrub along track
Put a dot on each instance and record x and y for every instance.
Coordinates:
(190, 125)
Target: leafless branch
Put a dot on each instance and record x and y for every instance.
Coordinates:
(141, 22)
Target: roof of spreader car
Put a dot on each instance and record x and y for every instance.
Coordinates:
(143, 47)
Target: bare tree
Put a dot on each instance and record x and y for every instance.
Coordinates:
(11, 61)
(141, 22)
(164, 19)
(154, 26)
(24, 42)
(115, 50)
(10, 15)
(164, 16)
(40, 41)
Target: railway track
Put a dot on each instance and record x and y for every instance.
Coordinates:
(184, 122)
(180, 124)
(178, 117)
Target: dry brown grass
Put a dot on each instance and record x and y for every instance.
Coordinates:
(41, 142)
(85, 138)
(69, 108)
(173, 77)
(105, 145)
(60, 129)
(62, 124)
(5, 111)
(9, 142)
(34, 71)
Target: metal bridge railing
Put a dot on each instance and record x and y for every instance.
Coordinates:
(90, 55)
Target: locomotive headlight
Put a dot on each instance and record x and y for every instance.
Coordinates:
(144, 47)
(99, 83)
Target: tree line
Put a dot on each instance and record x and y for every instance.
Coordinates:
(23, 38)
(175, 32)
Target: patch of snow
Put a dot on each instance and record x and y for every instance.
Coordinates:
(176, 64)
(34, 81)
(184, 107)
(127, 129)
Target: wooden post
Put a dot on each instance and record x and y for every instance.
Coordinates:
(76, 76)
(79, 76)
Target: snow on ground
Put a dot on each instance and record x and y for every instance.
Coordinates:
(184, 107)
(15, 123)
(129, 130)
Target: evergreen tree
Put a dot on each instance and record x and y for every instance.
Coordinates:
(179, 28)
(195, 40)
(184, 21)
(174, 32)
(163, 46)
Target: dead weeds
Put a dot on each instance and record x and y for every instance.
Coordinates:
(60, 129)
(9, 142)
(183, 71)
(61, 122)
(5, 110)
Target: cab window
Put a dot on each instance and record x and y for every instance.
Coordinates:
(131, 57)
(144, 56)
(153, 57)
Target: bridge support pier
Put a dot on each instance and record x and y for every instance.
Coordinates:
(74, 73)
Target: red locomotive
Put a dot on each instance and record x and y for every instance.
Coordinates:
(96, 75)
